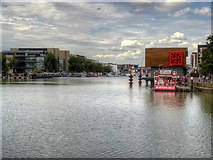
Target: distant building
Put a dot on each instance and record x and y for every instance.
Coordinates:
(200, 49)
(114, 68)
(194, 59)
(124, 68)
(170, 57)
(31, 58)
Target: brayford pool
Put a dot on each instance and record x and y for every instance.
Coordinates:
(102, 118)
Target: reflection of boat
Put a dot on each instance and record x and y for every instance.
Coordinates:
(165, 80)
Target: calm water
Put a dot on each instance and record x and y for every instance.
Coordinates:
(102, 118)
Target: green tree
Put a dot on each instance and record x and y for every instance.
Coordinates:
(206, 65)
(107, 69)
(12, 64)
(89, 66)
(76, 64)
(4, 64)
(50, 63)
(98, 67)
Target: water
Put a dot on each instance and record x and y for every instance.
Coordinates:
(102, 118)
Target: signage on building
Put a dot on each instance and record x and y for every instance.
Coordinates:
(176, 58)
(166, 71)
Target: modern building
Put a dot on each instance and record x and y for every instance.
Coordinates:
(31, 58)
(174, 58)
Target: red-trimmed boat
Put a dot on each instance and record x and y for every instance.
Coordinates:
(165, 80)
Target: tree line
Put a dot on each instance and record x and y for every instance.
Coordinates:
(80, 64)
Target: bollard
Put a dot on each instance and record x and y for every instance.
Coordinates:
(140, 77)
(146, 77)
(191, 83)
(130, 77)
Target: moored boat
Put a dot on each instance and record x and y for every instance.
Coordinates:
(165, 80)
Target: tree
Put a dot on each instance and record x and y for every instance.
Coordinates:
(50, 63)
(76, 64)
(206, 65)
(13, 62)
(79, 64)
(4, 64)
(107, 69)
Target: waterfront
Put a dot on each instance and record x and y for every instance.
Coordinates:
(102, 118)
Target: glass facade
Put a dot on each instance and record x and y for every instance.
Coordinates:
(29, 60)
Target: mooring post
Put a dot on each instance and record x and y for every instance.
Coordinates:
(130, 77)
(140, 77)
(191, 83)
(146, 77)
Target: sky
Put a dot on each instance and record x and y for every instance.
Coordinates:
(114, 32)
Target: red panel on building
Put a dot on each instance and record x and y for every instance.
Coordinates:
(176, 58)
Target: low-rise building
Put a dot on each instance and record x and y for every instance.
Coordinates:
(31, 58)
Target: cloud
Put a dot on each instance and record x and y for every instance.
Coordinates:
(168, 6)
(129, 54)
(178, 36)
(203, 11)
(130, 43)
(182, 12)
(28, 9)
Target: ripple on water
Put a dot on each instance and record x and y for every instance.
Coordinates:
(103, 118)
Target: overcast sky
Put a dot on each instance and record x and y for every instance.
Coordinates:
(108, 32)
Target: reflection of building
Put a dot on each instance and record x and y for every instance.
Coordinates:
(173, 57)
(169, 99)
(31, 58)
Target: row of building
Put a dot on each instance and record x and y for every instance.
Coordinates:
(31, 58)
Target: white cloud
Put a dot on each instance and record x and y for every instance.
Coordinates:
(203, 11)
(184, 43)
(130, 43)
(105, 56)
(129, 54)
(178, 36)
(182, 12)
(168, 6)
